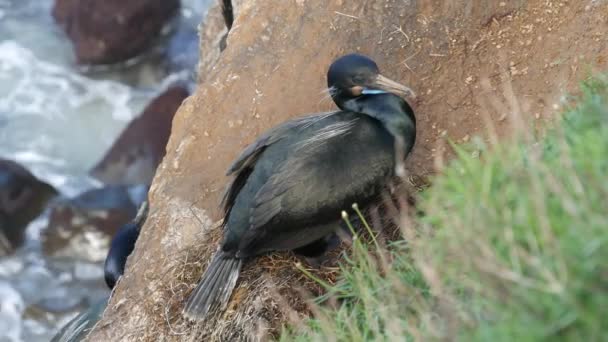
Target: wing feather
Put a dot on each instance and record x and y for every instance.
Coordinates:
(268, 201)
(243, 165)
(250, 154)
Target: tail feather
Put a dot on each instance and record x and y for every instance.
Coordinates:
(215, 287)
(209, 278)
(230, 283)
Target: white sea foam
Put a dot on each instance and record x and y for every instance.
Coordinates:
(11, 310)
(47, 108)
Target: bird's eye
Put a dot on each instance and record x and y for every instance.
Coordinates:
(358, 79)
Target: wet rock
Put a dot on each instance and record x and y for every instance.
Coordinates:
(22, 198)
(110, 31)
(139, 149)
(82, 227)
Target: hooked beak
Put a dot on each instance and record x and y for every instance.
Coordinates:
(384, 84)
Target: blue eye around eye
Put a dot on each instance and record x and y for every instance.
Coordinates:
(367, 91)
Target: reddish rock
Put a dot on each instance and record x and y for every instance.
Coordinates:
(110, 31)
(136, 153)
(82, 227)
(22, 198)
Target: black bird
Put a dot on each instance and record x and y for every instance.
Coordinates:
(120, 248)
(122, 245)
(292, 183)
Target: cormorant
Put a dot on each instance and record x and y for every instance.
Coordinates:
(122, 245)
(120, 248)
(292, 183)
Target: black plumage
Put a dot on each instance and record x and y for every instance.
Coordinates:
(122, 245)
(292, 183)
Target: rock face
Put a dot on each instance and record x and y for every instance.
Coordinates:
(110, 31)
(274, 69)
(137, 152)
(22, 198)
(82, 227)
(212, 33)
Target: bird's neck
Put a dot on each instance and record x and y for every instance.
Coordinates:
(397, 117)
(394, 113)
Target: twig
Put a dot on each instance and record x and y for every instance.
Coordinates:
(346, 15)
(400, 30)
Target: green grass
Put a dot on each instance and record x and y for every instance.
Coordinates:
(513, 246)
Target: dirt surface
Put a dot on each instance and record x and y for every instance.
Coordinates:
(478, 67)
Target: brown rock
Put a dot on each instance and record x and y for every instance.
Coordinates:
(274, 69)
(214, 35)
(22, 198)
(139, 149)
(82, 227)
(110, 31)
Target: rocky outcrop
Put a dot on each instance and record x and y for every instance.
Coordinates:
(82, 227)
(22, 198)
(141, 146)
(274, 69)
(214, 34)
(110, 31)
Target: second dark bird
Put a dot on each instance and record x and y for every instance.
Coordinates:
(292, 183)
(121, 247)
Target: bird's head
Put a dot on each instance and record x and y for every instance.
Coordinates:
(353, 76)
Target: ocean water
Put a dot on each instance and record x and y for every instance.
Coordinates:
(57, 119)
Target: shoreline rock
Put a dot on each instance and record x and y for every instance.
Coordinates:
(22, 198)
(82, 227)
(135, 155)
(111, 31)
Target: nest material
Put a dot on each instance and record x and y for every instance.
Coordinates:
(271, 291)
